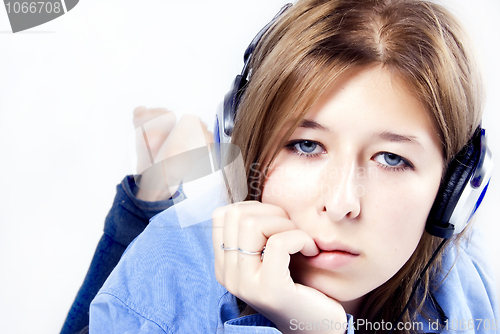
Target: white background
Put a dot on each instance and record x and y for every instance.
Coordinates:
(67, 91)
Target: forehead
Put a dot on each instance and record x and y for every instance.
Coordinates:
(374, 93)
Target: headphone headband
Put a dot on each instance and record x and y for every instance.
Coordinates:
(232, 98)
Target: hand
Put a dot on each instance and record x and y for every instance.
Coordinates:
(266, 285)
(158, 138)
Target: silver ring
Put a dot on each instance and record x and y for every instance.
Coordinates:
(261, 253)
(227, 248)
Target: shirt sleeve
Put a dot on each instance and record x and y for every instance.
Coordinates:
(126, 219)
(111, 316)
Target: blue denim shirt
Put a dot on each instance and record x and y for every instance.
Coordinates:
(165, 283)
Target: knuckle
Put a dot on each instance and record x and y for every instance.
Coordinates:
(218, 214)
(248, 223)
(233, 215)
(237, 209)
(281, 211)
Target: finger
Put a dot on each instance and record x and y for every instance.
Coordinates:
(217, 240)
(219, 229)
(218, 217)
(232, 219)
(253, 233)
(225, 222)
(255, 223)
(246, 216)
(278, 249)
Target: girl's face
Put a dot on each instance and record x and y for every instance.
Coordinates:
(359, 175)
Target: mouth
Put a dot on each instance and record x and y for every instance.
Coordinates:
(337, 251)
(333, 256)
(335, 247)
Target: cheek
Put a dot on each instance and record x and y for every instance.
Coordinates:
(403, 201)
(398, 220)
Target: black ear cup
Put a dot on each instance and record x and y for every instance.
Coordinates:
(226, 113)
(230, 104)
(459, 172)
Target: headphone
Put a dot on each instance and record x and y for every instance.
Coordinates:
(461, 191)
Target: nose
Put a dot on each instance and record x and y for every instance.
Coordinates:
(342, 192)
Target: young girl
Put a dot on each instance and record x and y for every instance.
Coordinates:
(348, 125)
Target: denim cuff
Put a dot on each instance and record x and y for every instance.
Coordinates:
(129, 215)
(149, 209)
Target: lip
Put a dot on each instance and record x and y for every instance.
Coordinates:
(333, 255)
(335, 245)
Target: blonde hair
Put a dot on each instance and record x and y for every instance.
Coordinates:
(317, 40)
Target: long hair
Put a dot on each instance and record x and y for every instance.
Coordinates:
(316, 41)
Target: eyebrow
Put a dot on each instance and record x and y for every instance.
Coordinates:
(309, 124)
(386, 135)
(394, 137)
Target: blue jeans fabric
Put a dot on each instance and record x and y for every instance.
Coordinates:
(127, 218)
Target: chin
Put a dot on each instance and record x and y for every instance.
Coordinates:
(336, 285)
(331, 284)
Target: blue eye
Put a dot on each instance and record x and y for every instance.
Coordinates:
(306, 148)
(392, 161)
